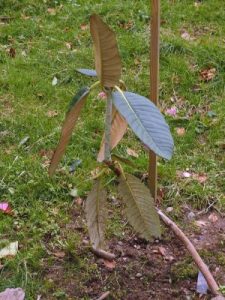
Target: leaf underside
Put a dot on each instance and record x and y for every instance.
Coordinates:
(146, 121)
(118, 129)
(70, 120)
(96, 214)
(87, 72)
(140, 209)
(107, 58)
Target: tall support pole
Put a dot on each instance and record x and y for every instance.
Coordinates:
(154, 84)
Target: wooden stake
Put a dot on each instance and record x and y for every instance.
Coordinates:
(154, 85)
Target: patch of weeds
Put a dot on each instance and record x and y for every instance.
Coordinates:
(184, 269)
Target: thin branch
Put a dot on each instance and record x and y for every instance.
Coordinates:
(104, 296)
(190, 247)
(103, 254)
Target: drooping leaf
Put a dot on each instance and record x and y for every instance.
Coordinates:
(96, 214)
(107, 59)
(118, 129)
(146, 121)
(88, 72)
(70, 120)
(140, 209)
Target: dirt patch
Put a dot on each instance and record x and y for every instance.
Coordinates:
(159, 270)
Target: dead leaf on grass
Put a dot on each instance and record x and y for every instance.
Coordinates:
(110, 264)
(186, 36)
(11, 52)
(208, 74)
(180, 131)
(201, 178)
(10, 250)
(59, 254)
(69, 45)
(132, 152)
(84, 26)
(51, 11)
(52, 113)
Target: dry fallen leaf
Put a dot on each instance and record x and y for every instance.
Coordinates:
(186, 36)
(201, 223)
(79, 201)
(201, 178)
(84, 26)
(132, 152)
(11, 52)
(180, 131)
(213, 218)
(208, 74)
(10, 250)
(69, 45)
(110, 264)
(59, 254)
(52, 113)
(51, 11)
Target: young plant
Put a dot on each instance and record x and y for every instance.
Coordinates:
(122, 108)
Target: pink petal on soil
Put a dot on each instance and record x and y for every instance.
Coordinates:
(186, 174)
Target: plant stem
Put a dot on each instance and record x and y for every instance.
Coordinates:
(108, 120)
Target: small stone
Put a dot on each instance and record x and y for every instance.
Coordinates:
(138, 275)
(191, 215)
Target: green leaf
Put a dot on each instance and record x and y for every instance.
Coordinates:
(140, 209)
(70, 120)
(107, 58)
(96, 214)
(146, 121)
(87, 72)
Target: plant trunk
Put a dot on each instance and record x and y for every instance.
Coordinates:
(108, 120)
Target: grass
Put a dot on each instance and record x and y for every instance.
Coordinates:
(42, 206)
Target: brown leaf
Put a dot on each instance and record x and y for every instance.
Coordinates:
(84, 26)
(51, 11)
(59, 254)
(11, 52)
(52, 113)
(107, 59)
(132, 152)
(118, 129)
(68, 126)
(96, 214)
(109, 264)
(201, 178)
(69, 45)
(162, 251)
(201, 223)
(213, 218)
(180, 131)
(208, 74)
(79, 201)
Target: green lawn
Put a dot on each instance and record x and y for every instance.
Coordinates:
(44, 39)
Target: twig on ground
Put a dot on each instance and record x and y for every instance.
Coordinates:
(196, 257)
(103, 254)
(103, 296)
